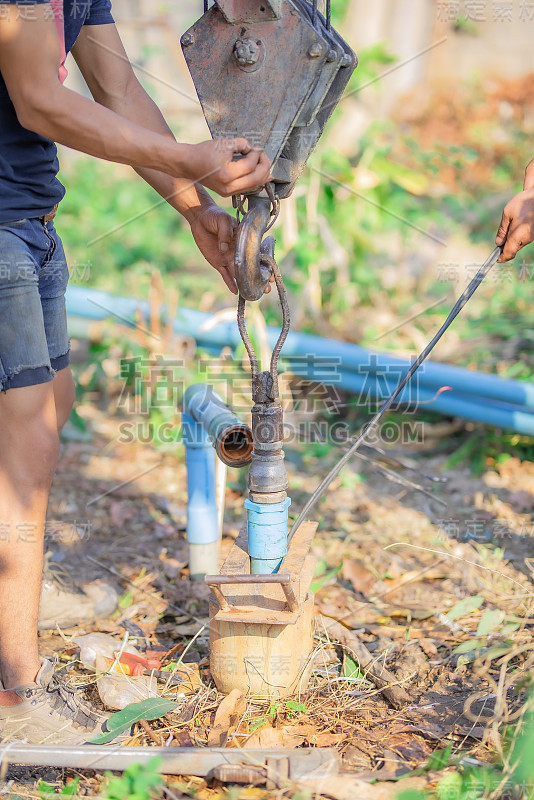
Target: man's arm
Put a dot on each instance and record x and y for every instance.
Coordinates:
(101, 57)
(29, 63)
(103, 62)
(517, 224)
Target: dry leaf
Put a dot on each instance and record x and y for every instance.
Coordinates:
(295, 735)
(227, 718)
(120, 512)
(327, 739)
(361, 578)
(182, 739)
(264, 738)
(268, 738)
(349, 788)
(189, 675)
(521, 501)
(429, 647)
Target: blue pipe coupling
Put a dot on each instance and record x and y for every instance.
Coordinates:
(267, 535)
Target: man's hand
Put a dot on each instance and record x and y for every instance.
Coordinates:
(214, 232)
(517, 224)
(212, 164)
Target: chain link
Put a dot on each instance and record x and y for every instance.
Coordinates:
(238, 202)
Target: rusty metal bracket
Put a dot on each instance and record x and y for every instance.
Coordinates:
(284, 580)
(263, 599)
(236, 11)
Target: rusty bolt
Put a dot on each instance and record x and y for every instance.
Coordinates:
(187, 39)
(315, 50)
(247, 52)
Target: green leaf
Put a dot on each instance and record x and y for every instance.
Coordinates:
(153, 708)
(465, 606)
(172, 666)
(126, 599)
(469, 646)
(489, 621)
(497, 651)
(255, 724)
(450, 785)
(316, 585)
(71, 789)
(350, 669)
(45, 788)
(510, 627)
(320, 567)
(294, 707)
(439, 758)
(411, 794)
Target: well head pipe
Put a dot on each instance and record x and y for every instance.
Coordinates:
(231, 437)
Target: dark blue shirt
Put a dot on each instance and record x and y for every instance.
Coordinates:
(28, 162)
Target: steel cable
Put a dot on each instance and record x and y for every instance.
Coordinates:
(334, 472)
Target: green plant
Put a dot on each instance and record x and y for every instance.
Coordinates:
(48, 790)
(137, 782)
(291, 709)
(294, 708)
(490, 638)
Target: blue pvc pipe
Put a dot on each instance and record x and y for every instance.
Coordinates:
(267, 535)
(202, 516)
(453, 404)
(91, 304)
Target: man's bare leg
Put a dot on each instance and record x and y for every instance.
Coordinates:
(64, 393)
(29, 448)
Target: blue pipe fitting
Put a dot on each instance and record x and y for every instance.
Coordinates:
(267, 535)
(231, 438)
(208, 427)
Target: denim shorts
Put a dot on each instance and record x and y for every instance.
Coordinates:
(34, 342)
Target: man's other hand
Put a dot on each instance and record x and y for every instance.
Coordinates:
(214, 232)
(212, 164)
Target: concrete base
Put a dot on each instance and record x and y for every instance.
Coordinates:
(263, 661)
(261, 629)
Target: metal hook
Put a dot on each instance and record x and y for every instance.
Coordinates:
(251, 275)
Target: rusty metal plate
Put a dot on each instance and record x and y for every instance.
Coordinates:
(263, 104)
(250, 10)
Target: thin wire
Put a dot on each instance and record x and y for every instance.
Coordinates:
(328, 15)
(334, 472)
(314, 12)
(206, 5)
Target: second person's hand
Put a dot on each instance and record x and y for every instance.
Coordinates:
(517, 224)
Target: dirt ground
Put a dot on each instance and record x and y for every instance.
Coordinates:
(394, 563)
